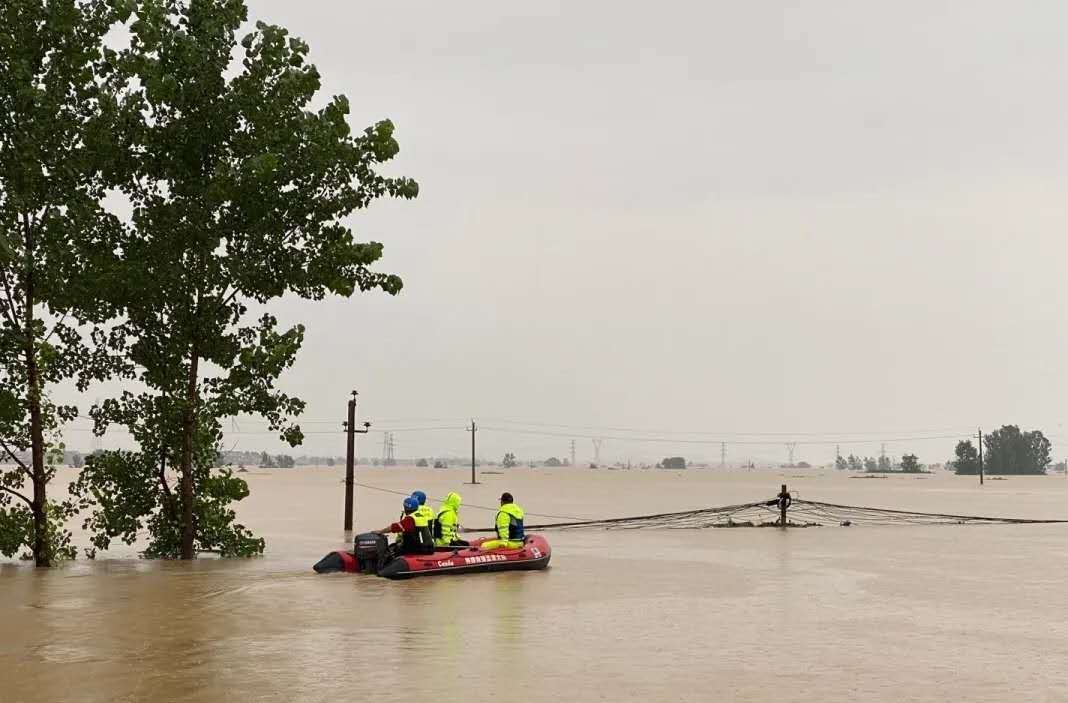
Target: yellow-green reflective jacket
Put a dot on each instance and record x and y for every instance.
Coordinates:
(510, 522)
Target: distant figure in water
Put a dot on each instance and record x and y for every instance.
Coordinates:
(447, 522)
(510, 532)
(413, 529)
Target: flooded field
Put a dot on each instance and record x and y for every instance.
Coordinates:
(901, 613)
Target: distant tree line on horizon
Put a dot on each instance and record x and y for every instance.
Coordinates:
(909, 464)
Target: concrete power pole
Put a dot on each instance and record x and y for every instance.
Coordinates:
(473, 429)
(350, 459)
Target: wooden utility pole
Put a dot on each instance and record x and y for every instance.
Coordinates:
(350, 458)
(784, 503)
(980, 435)
(473, 429)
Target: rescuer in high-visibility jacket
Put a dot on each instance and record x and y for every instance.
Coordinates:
(414, 535)
(447, 522)
(424, 509)
(509, 525)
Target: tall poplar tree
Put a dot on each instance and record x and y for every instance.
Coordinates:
(241, 194)
(57, 160)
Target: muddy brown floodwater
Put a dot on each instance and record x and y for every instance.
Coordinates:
(903, 613)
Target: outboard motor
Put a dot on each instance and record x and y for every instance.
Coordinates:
(372, 552)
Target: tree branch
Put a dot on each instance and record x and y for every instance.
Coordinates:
(56, 327)
(9, 309)
(15, 493)
(20, 462)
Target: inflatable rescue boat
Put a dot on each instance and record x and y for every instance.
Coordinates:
(371, 556)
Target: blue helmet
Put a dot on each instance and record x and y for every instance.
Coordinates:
(419, 496)
(410, 504)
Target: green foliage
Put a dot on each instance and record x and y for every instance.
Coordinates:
(17, 530)
(552, 462)
(508, 461)
(1010, 451)
(910, 464)
(422, 463)
(126, 493)
(967, 458)
(673, 462)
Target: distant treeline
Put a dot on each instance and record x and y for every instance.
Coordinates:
(282, 461)
(909, 464)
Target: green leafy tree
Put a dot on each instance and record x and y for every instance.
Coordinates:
(840, 463)
(240, 194)
(854, 463)
(910, 464)
(422, 463)
(870, 464)
(552, 461)
(673, 462)
(1010, 451)
(58, 157)
(508, 461)
(966, 459)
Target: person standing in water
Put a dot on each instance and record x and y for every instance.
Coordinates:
(447, 522)
(509, 526)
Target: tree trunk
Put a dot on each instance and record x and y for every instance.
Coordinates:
(189, 419)
(42, 555)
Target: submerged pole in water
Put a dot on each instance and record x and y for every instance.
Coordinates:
(350, 458)
(980, 435)
(784, 503)
(350, 461)
(473, 429)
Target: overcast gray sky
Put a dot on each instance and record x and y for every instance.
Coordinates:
(719, 217)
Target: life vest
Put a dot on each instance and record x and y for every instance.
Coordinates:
(428, 512)
(510, 522)
(421, 539)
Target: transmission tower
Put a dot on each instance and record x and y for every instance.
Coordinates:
(388, 449)
(790, 448)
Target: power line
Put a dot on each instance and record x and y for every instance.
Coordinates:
(684, 440)
(728, 433)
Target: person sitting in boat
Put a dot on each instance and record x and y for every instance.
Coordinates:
(413, 530)
(424, 509)
(509, 525)
(447, 522)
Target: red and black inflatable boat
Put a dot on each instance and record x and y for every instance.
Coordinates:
(370, 555)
